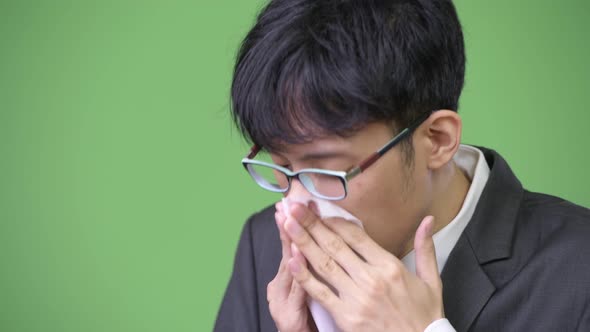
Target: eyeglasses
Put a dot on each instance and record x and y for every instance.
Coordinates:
(324, 184)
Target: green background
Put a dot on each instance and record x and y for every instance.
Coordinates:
(121, 192)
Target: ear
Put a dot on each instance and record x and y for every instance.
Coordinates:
(442, 131)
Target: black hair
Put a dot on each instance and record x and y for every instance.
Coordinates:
(310, 68)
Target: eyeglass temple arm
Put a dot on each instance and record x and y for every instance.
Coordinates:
(372, 158)
(253, 151)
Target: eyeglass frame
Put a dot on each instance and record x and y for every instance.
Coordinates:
(343, 176)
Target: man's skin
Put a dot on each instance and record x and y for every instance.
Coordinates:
(401, 205)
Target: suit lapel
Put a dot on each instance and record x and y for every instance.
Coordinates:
(466, 287)
(487, 240)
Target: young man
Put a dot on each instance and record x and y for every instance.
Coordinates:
(355, 103)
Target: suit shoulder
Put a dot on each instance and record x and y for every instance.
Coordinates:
(550, 241)
(554, 209)
(263, 232)
(556, 223)
(262, 222)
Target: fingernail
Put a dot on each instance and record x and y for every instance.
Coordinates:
(293, 228)
(430, 225)
(294, 250)
(279, 223)
(314, 208)
(297, 211)
(294, 266)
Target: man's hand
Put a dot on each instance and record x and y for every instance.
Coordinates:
(286, 298)
(375, 292)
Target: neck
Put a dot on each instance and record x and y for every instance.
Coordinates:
(451, 186)
(450, 199)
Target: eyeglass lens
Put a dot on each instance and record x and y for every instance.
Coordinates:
(316, 183)
(323, 184)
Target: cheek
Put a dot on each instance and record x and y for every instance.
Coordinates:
(387, 203)
(382, 188)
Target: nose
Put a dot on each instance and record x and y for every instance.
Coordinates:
(297, 190)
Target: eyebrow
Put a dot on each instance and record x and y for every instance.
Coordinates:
(324, 155)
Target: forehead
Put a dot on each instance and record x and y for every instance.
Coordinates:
(365, 140)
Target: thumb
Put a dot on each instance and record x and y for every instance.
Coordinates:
(426, 266)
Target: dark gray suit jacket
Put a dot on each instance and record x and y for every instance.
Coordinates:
(522, 264)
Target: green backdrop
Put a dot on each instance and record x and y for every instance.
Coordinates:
(122, 196)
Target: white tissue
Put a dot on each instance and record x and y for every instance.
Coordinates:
(323, 319)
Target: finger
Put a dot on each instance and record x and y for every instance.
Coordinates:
(327, 240)
(297, 295)
(280, 287)
(426, 266)
(285, 241)
(322, 263)
(313, 287)
(283, 279)
(279, 207)
(357, 239)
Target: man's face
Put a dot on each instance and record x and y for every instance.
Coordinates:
(390, 197)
